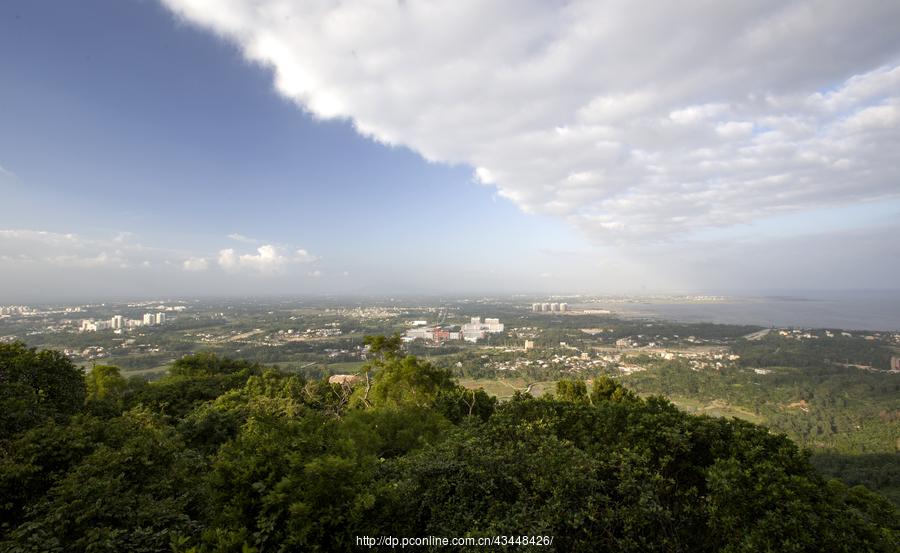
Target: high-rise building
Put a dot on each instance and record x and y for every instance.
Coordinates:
(476, 320)
(545, 307)
(554, 307)
(149, 319)
(117, 322)
(493, 325)
(536, 307)
(160, 318)
(563, 307)
(529, 345)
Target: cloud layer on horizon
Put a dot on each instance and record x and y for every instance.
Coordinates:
(632, 120)
(20, 247)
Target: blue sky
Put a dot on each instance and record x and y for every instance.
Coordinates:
(148, 134)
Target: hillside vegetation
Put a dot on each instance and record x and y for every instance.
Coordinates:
(228, 455)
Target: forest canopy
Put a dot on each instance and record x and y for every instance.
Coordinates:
(229, 455)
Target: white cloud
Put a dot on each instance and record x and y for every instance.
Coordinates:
(303, 256)
(267, 259)
(735, 129)
(6, 173)
(56, 249)
(123, 237)
(195, 264)
(241, 238)
(102, 259)
(629, 119)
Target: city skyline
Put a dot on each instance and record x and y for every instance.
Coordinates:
(185, 147)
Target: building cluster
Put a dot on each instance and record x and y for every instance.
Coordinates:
(799, 334)
(15, 310)
(297, 335)
(549, 307)
(474, 330)
(120, 323)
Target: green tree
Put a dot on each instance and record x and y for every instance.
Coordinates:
(36, 386)
(572, 390)
(409, 381)
(106, 390)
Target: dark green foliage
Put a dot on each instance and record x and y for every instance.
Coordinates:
(876, 471)
(208, 364)
(409, 381)
(136, 488)
(106, 391)
(459, 403)
(36, 386)
(829, 407)
(383, 346)
(574, 391)
(227, 456)
(35, 460)
(192, 380)
(776, 351)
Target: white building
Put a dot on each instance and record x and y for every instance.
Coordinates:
(475, 330)
(423, 333)
(149, 319)
(545, 307)
(554, 307)
(472, 335)
(563, 307)
(493, 325)
(160, 318)
(88, 325)
(536, 307)
(117, 322)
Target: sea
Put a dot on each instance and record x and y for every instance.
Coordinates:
(847, 310)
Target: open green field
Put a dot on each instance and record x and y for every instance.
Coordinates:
(348, 367)
(715, 408)
(149, 372)
(504, 389)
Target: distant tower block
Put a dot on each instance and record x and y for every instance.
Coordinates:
(563, 307)
(529, 345)
(554, 307)
(545, 307)
(536, 307)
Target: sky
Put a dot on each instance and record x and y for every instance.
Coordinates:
(211, 147)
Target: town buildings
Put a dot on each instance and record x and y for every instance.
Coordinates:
(118, 323)
(474, 330)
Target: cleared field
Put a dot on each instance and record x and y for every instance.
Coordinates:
(151, 371)
(715, 408)
(348, 367)
(504, 389)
